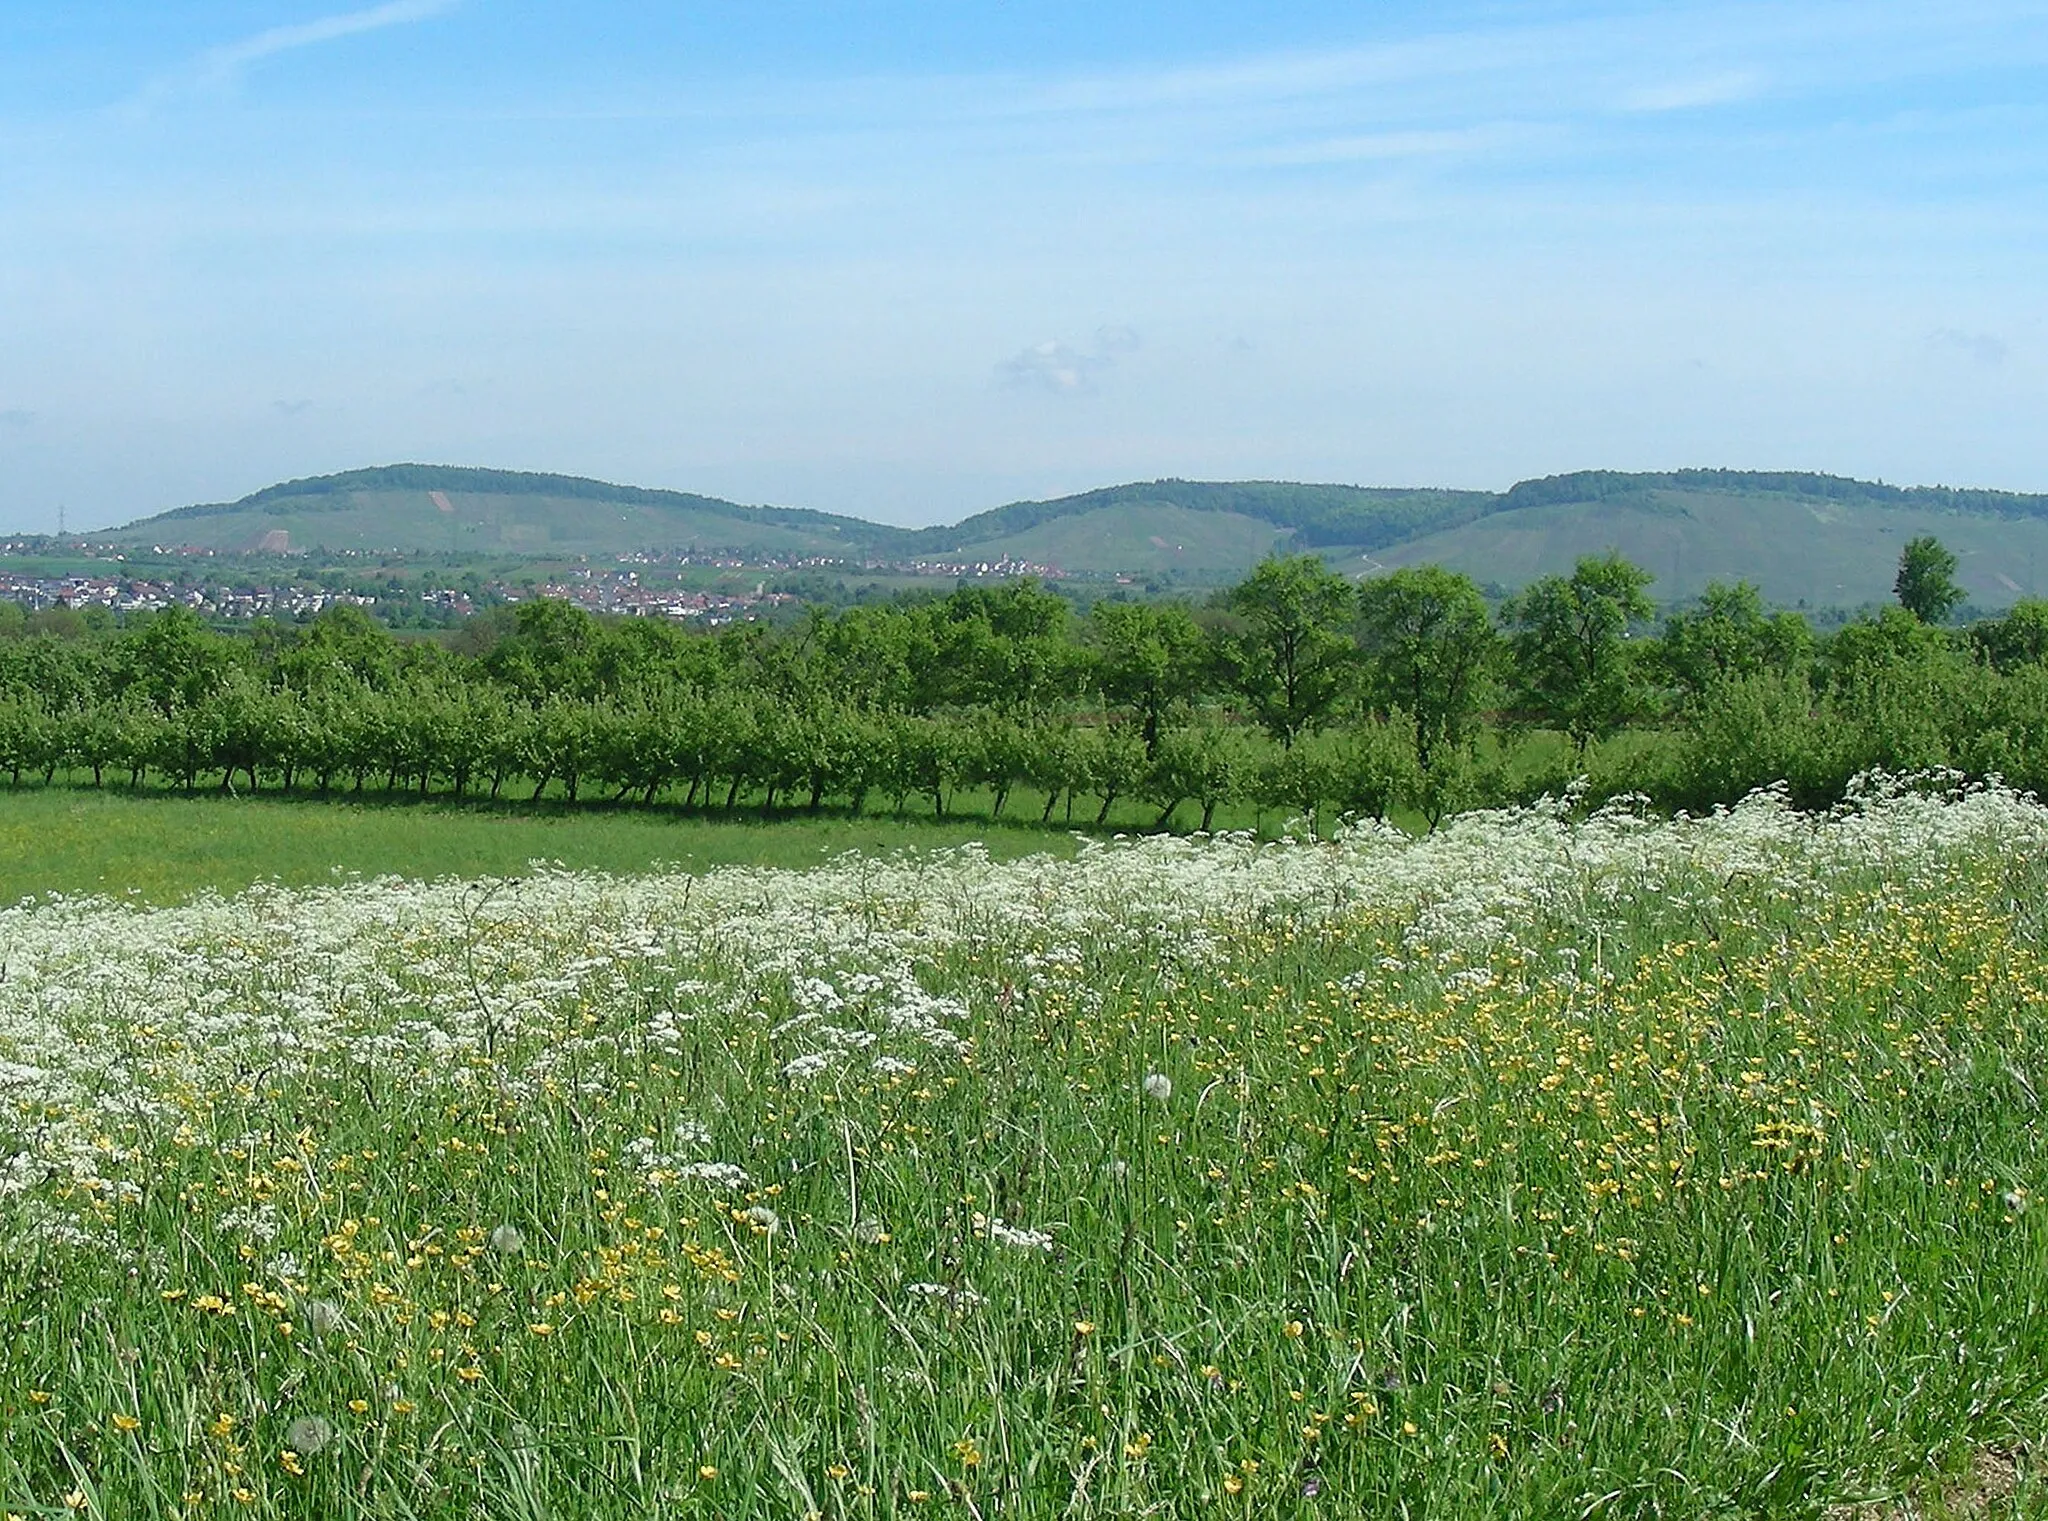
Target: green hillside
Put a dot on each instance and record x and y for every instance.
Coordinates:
(446, 508)
(1815, 541)
(1314, 515)
(1803, 538)
(1143, 539)
(1200, 528)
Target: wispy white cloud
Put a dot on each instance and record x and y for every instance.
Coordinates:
(218, 68)
(1696, 94)
(1374, 147)
(223, 63)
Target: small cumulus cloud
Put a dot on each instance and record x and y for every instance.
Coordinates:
(1986, 350)
(1694, 94)
(1064, 370)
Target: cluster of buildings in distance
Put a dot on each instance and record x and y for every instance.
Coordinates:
(121, 594)
(600, 593)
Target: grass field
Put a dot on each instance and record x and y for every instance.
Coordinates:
(160, 845)
(164, 846)
(1531, 1169)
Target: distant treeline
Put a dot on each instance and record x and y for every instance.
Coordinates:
(1296, 690)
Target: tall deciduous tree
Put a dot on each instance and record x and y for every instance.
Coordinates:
(1926, 585)
(1148, 659)
(1728, 636)
(1428, 644)
(1292, 658)
(1569, 636)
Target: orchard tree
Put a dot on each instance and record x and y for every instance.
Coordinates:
(1574, 669)
(1728, 636)
(1428, 644)
(2016, 641)
(1148, 659)
(1926, 585)
(1292, 657)
(550, 652)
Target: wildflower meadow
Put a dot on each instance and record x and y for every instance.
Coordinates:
(1543, 1166)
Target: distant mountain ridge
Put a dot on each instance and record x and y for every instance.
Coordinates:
(1804, 536)
(336, 493)
(1351, 515)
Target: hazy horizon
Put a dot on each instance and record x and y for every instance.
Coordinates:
(912, 261)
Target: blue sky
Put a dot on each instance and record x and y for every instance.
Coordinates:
(911, 260)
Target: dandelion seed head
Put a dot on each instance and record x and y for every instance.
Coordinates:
(508, 1240)
(308, 1435)
(1158, 1086)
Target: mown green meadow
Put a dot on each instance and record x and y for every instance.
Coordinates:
(1537, 1167)
(162, 846)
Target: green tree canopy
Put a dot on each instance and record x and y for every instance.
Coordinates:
(1428, 644)
(1149, 658)
(1569, 636)
(1292, 657)
(1727, 636)
(2017, 640)
(1926, 585)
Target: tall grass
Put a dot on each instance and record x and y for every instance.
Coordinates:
(1532, 1169)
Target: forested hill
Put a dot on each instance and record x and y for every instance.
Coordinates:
(1804, 538)
(438, 506)
(1361, 516)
